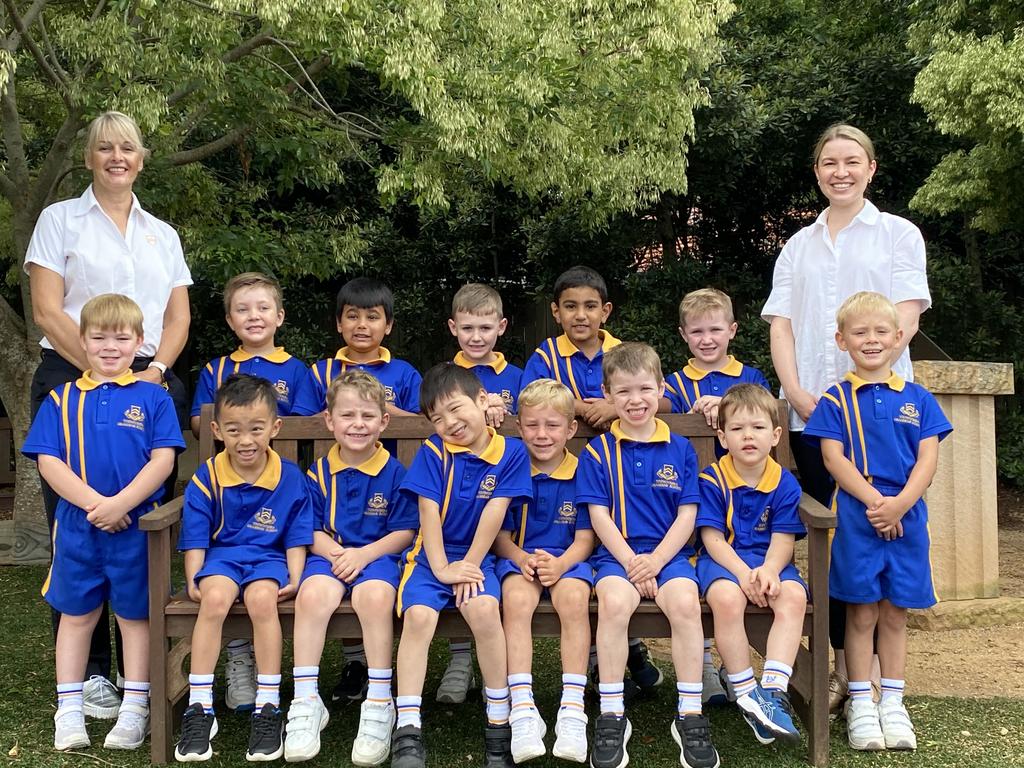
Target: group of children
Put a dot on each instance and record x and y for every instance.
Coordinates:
(488, 524)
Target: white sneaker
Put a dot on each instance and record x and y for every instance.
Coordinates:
(69, 729)
(528, 736)
(457, 680)
(100, 698)
(306, 718)
(896, 726)
(373, 740)
(571, 737)
(863, 728)
(240, 671)
(130, 729)
(714, 692)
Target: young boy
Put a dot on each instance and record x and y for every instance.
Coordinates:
(638, 483)
(463, 479)
(581, 307)
(879, 438)
(361, 524)
(105, 443)
(544, 548)
(748, 521)
(245, 525)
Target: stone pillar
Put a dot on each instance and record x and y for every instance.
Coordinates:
(962, 498)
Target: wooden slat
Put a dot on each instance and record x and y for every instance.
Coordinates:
(7, 472)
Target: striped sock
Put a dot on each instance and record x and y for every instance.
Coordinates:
(521, 690)
(689, 698)
(136, 693)
(498, 706)
(859, 689)
(409, 711)
(200, 691)
(743, 682)
(354, 652)
(268, 691)
(708, 661)
(379, 688)
(572, 694)
(69, 695)
(461, 649)
(776, 675)
(236, 647)
(306, 681)
(892, 690)
(612, 701)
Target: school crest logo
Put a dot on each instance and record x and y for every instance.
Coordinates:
(506, 395)
(134, 417)
(762, 522)
(487, 486)
(264, 520)
(377, 505)
(389, 394)
(909, 415)
(667, 477)
(281, 387)
(151, 239)
(566, 514)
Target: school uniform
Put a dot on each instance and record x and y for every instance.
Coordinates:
(881, 426)
(747, 517)
(683, 388)
(246, 528)
(356, 506)
(401, 381)
(559, 359)
(461, 483)
(499, 377)
(549, 520)
(289, 375)
(106, 433)
(643, 484)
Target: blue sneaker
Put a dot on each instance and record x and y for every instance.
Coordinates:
(762, 734)
(770, 711)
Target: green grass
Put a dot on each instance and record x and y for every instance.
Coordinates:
(952, 732)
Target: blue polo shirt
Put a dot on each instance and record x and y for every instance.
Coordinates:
(499, 377)
(401, 381)
(462, 483)
(359, 505)
(247, 521)
(642, 483)
(290, 377)
(748, 516)
(684, 387)
(560, 359)
(879, 424)
(549, 519)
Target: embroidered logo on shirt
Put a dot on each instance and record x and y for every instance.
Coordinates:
(264, 520)
(909, 415)
(487, 486)
(762, 523)
(377, 505)
(134, 418)
(281, 387)
(389, 394)
(667, 477)
(506, 395)
(566, 514)
(151, 239)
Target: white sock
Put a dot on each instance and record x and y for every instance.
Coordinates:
(776, 675)
(892, 690)
(136, 693)
(572, 694)
(306, 681)
(379, 688)
(409, 711)
(612, 699)
(498, 706)
(743, 683)
(200, 691)
(268, 690)
(461, 652)
(69, 695)
(688, 702)
(520, 687)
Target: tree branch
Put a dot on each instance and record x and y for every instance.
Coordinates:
(240, 51)
(236, 14)
(7, 188)
(186, 156)
(53, 54)
(22, 23)
(37, 54)
(14, 144)
(53, 164)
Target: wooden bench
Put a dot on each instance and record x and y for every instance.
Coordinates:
(172, 615)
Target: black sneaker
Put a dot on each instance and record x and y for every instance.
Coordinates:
(630, 690)
(611, 735)
(353, 683)
(693, 735)
(265, 731)
(643, 671)
(197, 728)
(407, 750)
(498, 746)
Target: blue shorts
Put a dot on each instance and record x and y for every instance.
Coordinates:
(709, 571)
(91, 566)
(865, 568)
(581, 571)
(385, 568)
(419, 586)
(220, 562)
(679, 567)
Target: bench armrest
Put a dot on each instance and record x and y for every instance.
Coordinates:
(814, 515)
(163, 516)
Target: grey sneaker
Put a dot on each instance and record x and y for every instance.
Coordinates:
(130, 729)
(458, 678)
(240, 692)
(100, 699)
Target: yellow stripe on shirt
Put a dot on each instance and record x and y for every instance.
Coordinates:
(81, 437)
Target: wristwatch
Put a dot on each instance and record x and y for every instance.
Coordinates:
(160, 367)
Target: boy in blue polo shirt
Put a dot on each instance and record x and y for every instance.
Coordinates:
(463, 479)
(105, 443)
(245, 526)
(544, 548)
(638, 483)
(361, 524)
(879, 438)
(748, 520)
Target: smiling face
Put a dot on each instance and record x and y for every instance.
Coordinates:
(363, 330)
(115, 162)
(110, 352)
(545, 430)
(460, 420)
(635, 397)
(254, 316)
(356, 423)
(749, 436)
(870, 339)
(843, 171)
(581, 313)
(477, 334)
(246, 431)
(708, 338)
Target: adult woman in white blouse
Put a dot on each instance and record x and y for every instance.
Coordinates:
(104, 242)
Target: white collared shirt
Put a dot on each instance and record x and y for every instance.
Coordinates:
(77, 240)
(874, 252)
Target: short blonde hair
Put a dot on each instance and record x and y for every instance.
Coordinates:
(542, 392)
(477, 299)
(844, 131)
(703, 302)
(749, 397)
(250, 280)
(863, 303)
(114, 125)
(111, 312)
(631, 357)
(364, 385)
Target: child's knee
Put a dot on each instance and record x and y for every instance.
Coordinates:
(617, 602)
(314, 595)
(892, 617)
(419, 621)
(791, 602)
(261, 602)
(571, 601)
(373, 598)
(862, 616)
(518, 600)
(216, 603)
(726, 600)
(482, 614)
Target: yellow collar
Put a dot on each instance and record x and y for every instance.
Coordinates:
(268, 479)
(732, 368)
(567, 349)
(383, 356)
(661, 433)
(491, 454)
(769, 479)
(372, 466)
(564, 471)
(87, 382)
(498, 364)
(894, 382)
(277, 356)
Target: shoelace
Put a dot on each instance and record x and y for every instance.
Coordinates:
(783, 701)
(193, 726)
(264, 726)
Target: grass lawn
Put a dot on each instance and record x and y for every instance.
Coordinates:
(952, 732)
